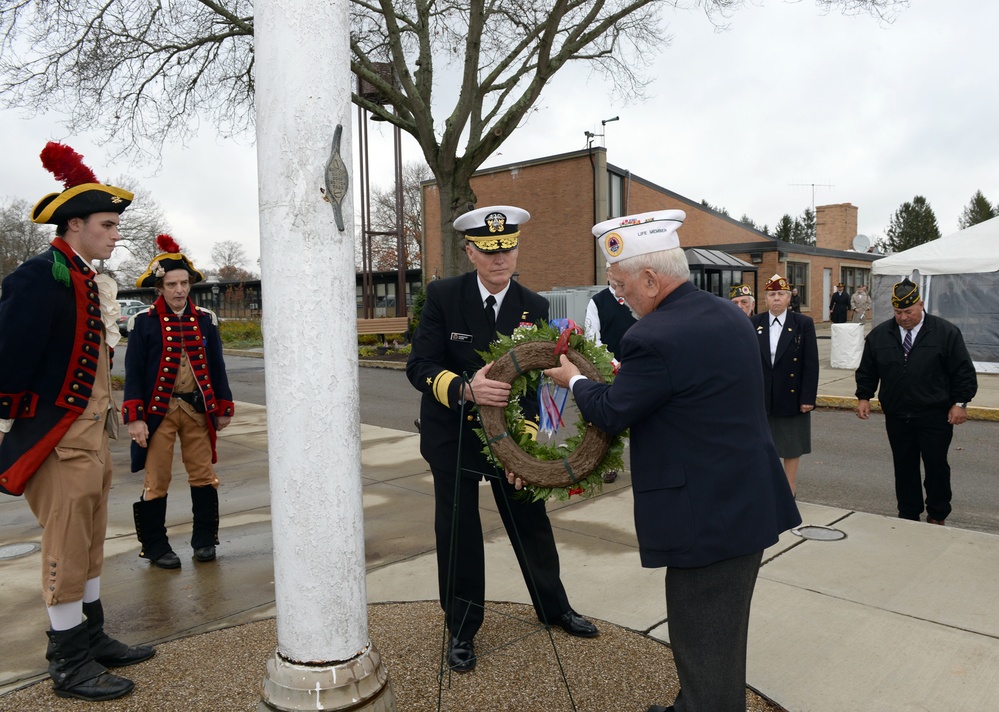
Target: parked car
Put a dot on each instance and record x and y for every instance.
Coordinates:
(126, 316)
(130, 303)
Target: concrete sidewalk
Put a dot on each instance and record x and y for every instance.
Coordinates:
(896, 616)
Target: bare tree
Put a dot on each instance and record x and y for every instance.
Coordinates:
(142, 71)
(228, 256)
(19, 237)
(140, 224)
(145, 71)
(383, 219)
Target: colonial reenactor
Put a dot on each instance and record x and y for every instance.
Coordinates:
(926, 379)
(175, 385)
(57, 333)
(460, 317)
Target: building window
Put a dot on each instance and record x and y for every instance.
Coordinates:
(853, 277)
(797, 276)
(615, 195)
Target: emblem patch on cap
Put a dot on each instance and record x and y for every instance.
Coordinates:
(613, 244)
(496, 222)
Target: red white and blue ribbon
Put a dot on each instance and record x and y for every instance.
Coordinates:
(552, 398)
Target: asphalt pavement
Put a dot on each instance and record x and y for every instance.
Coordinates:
(894, 616)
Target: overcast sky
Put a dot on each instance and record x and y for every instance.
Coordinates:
(871, 113)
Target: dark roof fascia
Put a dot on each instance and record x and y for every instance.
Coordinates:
(792, 248)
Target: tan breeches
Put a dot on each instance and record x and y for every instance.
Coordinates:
(195, 451)
(69, 497)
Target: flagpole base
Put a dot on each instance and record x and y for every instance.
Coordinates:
(359, 684)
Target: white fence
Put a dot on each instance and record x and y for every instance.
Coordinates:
(570, 302)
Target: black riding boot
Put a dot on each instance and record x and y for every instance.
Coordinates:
(106, 650)
(150, 527)
(74, 671)
(205, 536)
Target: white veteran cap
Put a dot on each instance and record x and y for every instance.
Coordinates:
(633, 235)
(495, 228)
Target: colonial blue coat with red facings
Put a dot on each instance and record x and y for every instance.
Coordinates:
(50, 339)
(153, 358)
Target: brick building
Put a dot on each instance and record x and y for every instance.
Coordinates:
(568, 193)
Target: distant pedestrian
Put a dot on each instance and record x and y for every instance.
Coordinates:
(861, 305)
(926, 380)
(839, 305)
(57, 331)
(742, 296)
(175, 385)
(795, 300)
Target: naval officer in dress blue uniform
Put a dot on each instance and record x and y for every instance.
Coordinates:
(460, 317)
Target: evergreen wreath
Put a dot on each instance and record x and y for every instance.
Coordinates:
(560, 471)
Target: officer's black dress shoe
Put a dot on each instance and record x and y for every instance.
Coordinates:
(205, 553)
(660, 708)
(461, 655)
(574, 624)
(169, 560)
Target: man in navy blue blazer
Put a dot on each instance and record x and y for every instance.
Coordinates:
(710, 492)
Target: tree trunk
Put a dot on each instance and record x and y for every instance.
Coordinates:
(456, 198)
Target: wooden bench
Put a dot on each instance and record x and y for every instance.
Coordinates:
(384, 325)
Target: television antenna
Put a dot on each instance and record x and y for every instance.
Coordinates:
(813, 187)
(603, 127)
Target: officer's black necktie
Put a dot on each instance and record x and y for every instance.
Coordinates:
(491, 313)
(907, 343)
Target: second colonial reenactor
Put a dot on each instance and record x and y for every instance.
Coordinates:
(175, 385)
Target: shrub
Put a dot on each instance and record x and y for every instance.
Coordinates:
(241, 333)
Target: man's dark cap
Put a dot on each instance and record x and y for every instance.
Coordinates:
(904, 294)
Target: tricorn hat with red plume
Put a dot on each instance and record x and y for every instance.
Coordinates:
(170, 259)
(83, 195)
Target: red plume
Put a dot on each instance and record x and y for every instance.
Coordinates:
(66, 165)
(167, 244)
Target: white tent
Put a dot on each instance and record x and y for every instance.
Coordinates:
(958, 277)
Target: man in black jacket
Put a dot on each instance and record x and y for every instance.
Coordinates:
(460, 317)
(927, 379)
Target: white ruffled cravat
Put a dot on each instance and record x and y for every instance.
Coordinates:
(107, 288)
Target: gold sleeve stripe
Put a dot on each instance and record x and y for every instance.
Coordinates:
(441, 384)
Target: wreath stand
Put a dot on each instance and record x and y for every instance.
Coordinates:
(444, 669)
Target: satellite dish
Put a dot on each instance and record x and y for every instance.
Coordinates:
(861, 243)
